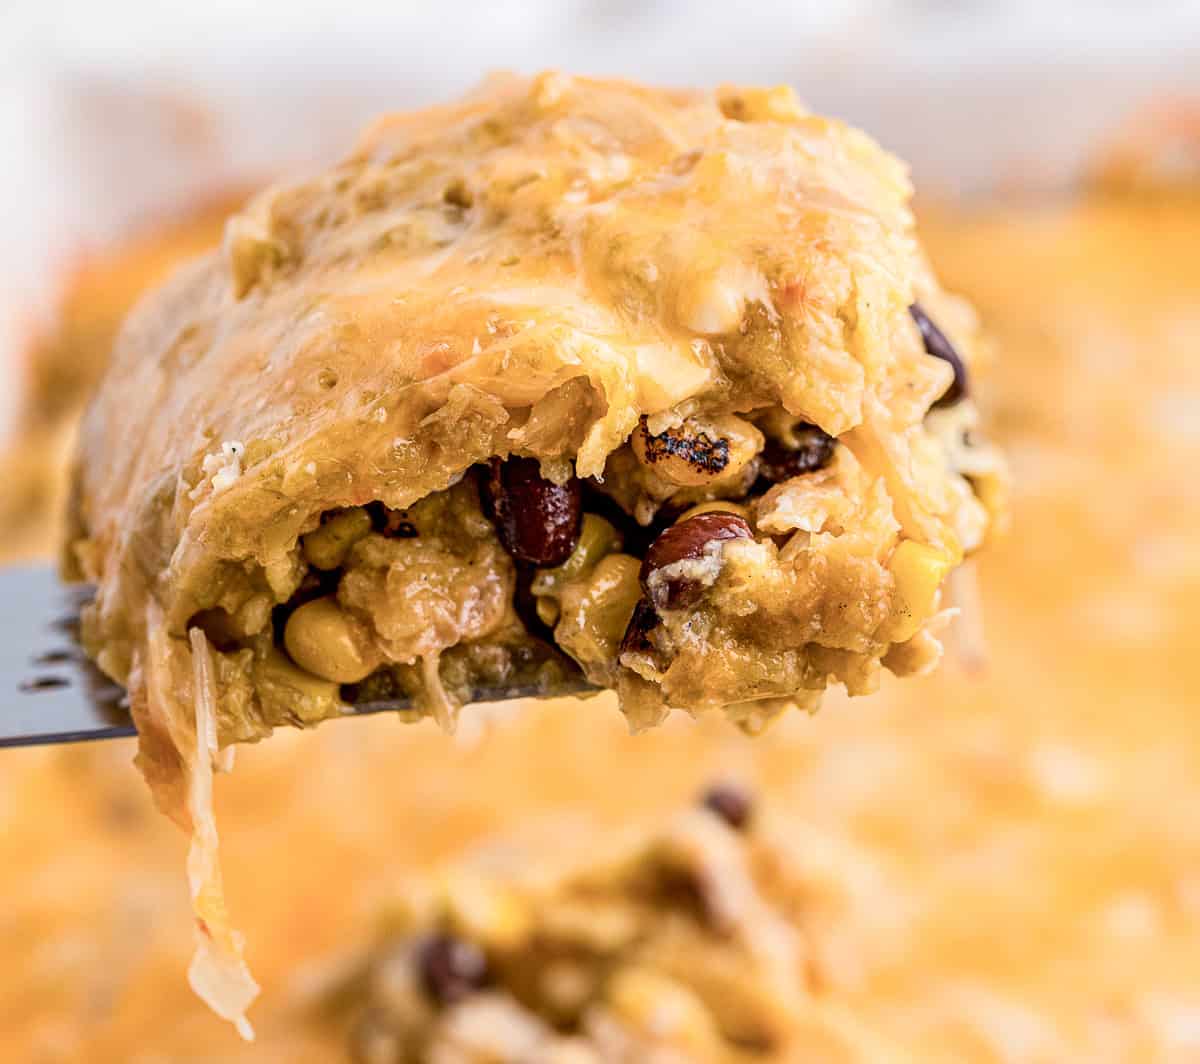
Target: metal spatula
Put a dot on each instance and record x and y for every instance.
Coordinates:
(51, 693)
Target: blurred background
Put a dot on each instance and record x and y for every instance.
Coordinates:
(1014, 848)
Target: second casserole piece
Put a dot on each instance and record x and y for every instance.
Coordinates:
(714, 938)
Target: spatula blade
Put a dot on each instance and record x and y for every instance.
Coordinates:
(51, 693)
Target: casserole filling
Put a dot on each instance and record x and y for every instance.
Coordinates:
(734, 562)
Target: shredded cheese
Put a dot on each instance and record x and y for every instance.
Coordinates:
(218, 972)
(445, 709)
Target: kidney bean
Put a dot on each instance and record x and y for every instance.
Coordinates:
(537, 520)
(451, 968)
(939, 346)
(682, 542)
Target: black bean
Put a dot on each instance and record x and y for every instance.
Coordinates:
(814, 450)
(730, 803)
(937, 345)
(537, 520)
(681, 542)
(451, 968)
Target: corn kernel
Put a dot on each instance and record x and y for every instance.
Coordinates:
(596, 610)
(919, 570)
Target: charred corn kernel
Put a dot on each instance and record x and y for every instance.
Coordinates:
(664, 1009)
(918, 570)
(718, 506)
(596, 610)
(699, 451)
(596, 539)
(326, 547)
(489, 914)
(321, 639)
